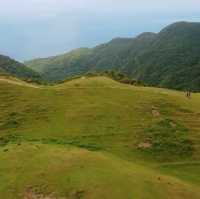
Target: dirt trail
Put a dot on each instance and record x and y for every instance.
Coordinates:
(180, 163)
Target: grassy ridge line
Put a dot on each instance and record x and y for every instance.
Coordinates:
(17, 82)
(75, 84)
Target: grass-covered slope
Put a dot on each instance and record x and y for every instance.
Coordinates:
(170, 58)
(56, 172)
(96, 138)
(14, 68)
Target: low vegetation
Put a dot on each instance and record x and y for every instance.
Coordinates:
(93, 137)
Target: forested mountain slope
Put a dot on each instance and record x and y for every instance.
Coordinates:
(170, 58)
(11, 67)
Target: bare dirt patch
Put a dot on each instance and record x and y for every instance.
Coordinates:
(172, 124)
(32, 195)
(144, 145)
(155, 112)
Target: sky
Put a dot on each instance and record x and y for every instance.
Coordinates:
(40, 28)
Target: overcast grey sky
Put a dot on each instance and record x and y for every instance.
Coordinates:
(39, 28)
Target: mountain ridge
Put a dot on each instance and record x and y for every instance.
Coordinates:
(161, 59)
(11, 67)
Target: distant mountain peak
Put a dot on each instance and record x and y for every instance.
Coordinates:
(146, 35)
(160, 59)
(181, 25)
(120, 39)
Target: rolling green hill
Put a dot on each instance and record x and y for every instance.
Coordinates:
(170, 58)
(11, 67)
(95, 138)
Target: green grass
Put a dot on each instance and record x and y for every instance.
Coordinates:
(77, 173)
(96, 138)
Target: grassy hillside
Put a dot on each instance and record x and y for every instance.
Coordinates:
(96, 138)
(169, 59)
(14, 68)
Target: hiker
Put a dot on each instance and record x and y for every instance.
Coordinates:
(188, 94)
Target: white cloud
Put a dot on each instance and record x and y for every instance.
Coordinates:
(46, 8)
